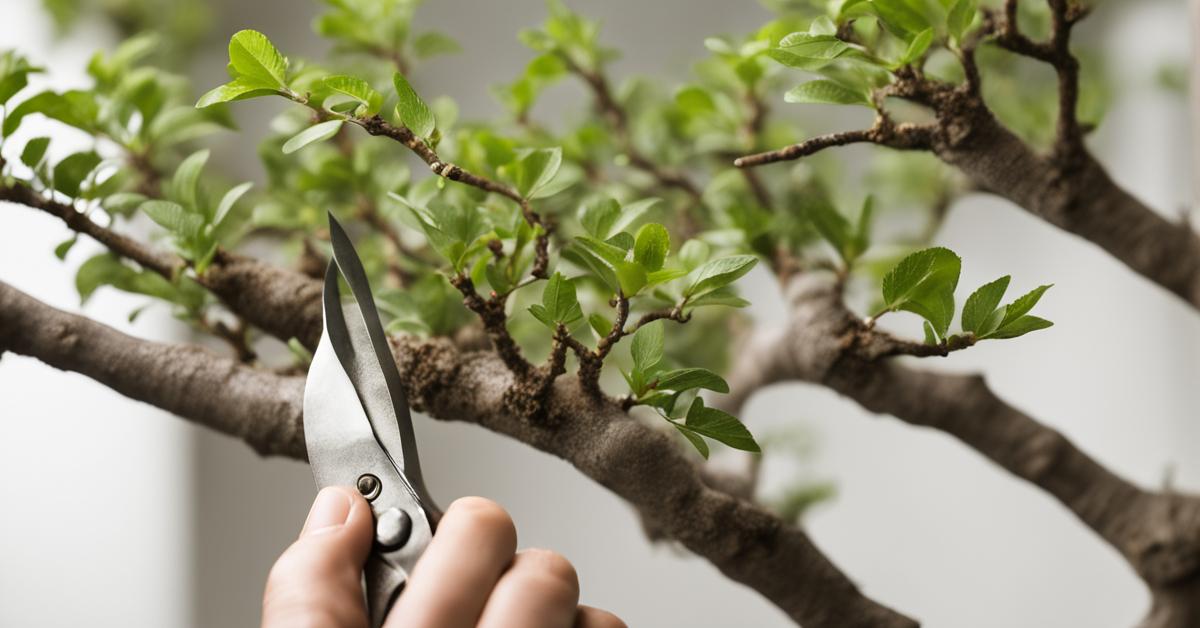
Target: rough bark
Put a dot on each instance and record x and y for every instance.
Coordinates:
(1078, 197)
(744, 541)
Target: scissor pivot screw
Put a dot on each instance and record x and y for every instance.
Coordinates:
(392, 528)
(369, 486)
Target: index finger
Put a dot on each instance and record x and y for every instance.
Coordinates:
(474, 544)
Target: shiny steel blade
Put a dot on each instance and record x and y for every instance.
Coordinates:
(373, 368)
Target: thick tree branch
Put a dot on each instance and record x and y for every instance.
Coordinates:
(1069, 190)
(286, 304)
(1157, 533)
(642, 465)
(259, 407)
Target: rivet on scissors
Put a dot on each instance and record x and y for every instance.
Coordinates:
(369, 486)
(392, 528)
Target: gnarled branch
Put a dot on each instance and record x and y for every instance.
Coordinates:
(747, 543)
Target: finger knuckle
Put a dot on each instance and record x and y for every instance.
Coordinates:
(484, 515)
(552, 566)
(597, 618)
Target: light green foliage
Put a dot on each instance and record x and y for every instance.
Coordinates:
(644, 214)
(411, 111)
(663, 388)
(560, 305)
(924, 283)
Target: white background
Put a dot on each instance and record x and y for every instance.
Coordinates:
(115, 514)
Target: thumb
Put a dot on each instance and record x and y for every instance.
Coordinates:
(318, 580)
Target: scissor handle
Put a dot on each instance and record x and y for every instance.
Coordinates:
(403, 530)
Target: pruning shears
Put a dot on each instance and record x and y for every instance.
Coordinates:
(358, 427)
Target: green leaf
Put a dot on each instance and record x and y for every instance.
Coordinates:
(812, 46)
(647, 347)
(432, 43)
(185, 185)
(826, 92)
(924, 283)
(695, 439)
(174, 218)
(600, 325)
(14, 74)
(34, 151)
(241, 88)
(977, 314)
(599, 215)
(917, 47)
(720, 426)
(651, 247)
(630, 277)
(64, 247)
(721, 296)
(862, 233)
(411, 110)
(231, 197)
(253, 56)
(73, 107)
(1021, 306)
(106, 269)
(832, 226)
(718, 273)
(369, 100)
(961, 15)
(535, 169)
(1020, 327)
(900, 18)
(70, 173)
(560, 301)
(687, 379)
(315, 133)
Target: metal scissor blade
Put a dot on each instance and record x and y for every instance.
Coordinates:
(373, 371)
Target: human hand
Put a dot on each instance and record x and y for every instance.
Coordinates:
(470, 576)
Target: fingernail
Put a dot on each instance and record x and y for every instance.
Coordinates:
(329, 510)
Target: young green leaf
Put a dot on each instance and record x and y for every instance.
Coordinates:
(718, 273)
(720, 426)
(64, 247)
(695, 439)
(647, 347)
(1021, 306)
(432, 43)
(185, 185)
(826, 92)
(560, 302)
(369, 100)
(315, 133)
(240, 88)
(598, 216)
(900, 17)
(34, 151)
(411, 110)
(651, 247)
(924, 283)
(978, 315)
(253, 56)
(916, 47)
(174, 218)
(1020, 326)
(70, 173)
(535, 169)
(832, 226)
(680, 380)
(961, 15)
(227, 202)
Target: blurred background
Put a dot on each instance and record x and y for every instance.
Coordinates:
(116, 514)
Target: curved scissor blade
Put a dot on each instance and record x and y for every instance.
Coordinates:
(372, 368)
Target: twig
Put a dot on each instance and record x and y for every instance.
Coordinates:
(885, 132)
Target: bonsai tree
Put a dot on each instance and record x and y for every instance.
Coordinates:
(573, 284)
